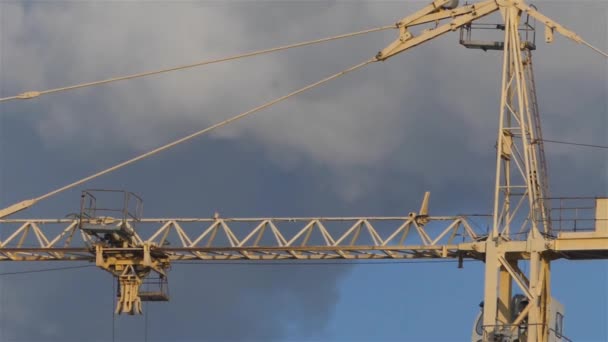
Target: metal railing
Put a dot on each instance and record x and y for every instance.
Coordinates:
(572, 214)
(527, 30)
(154, 289)
(130, 207)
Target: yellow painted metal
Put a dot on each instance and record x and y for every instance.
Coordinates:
(601, 216)
(407, 40)
(415, 236)
(504, 296)
(17, 207)
(412, 236)
(490, 298)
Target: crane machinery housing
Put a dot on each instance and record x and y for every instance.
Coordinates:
(526, 226)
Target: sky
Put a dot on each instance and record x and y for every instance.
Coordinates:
(369, 143)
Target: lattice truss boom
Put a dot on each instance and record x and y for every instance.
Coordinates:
(249, 238)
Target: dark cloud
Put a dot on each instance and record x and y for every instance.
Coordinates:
(370, 143)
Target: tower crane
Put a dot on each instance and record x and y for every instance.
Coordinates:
(108, 228)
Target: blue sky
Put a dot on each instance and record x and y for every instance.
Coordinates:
(370, 143)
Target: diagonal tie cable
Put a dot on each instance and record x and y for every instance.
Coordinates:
(28, 203)
(32, 94)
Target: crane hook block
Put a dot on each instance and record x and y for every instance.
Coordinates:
(129, 301)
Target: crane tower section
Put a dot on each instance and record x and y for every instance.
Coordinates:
(111, 231)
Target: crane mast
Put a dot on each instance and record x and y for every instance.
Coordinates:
(519, 205)
(110, 230)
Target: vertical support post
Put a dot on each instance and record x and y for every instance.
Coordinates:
(147, 261)
(505, 293)
(498, 289)
(99, 262)
(546, 297)
(518, 204)
(601, 216)
(534, 315)
(490, 298)
(540, 287)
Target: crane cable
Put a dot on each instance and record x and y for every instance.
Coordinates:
(203, 131)
(146, 309)
(32, 94)
(113, 311)
(574, 143)
(25, 204)
(44, 270)
(363, 262)
(595, 49)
